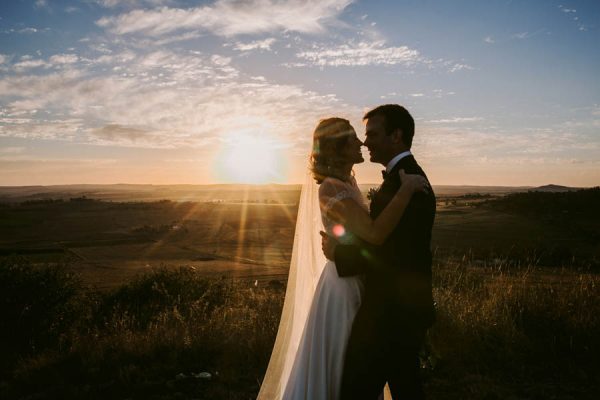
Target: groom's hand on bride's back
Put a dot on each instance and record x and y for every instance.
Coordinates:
(328, 244)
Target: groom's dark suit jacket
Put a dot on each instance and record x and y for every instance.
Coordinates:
(398, 273)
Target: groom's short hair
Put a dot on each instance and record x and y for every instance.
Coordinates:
(395, 117)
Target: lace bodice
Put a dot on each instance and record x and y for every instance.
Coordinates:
(331, 191)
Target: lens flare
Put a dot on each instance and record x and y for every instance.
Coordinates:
(338, 230)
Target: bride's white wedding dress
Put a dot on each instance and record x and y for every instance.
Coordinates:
(316, 372)
(319, 308)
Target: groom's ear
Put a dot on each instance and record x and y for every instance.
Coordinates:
(396, 136)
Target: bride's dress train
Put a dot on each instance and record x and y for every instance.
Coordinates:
(317, 370)
(308, 356)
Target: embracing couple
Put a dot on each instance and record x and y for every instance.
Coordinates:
(359, 299)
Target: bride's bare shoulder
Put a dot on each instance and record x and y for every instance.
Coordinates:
(331, 186)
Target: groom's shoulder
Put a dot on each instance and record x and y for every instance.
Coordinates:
(410, 165)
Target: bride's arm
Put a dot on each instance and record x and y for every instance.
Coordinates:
(356, 219)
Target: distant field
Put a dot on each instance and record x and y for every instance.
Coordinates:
(201, 193)
(515, 277)
(112, 242)
(245, 234)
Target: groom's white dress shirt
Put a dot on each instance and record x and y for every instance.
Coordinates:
(395, 160)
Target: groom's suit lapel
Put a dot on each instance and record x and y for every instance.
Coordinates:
(388, 188)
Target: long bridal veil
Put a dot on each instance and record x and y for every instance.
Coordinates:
(306, 266)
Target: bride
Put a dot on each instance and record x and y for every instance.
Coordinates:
(319, 307)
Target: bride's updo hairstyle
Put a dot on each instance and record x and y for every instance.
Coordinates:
(329, 138)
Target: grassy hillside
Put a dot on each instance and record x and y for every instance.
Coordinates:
(501, 333)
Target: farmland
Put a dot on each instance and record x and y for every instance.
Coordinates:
(117, 297)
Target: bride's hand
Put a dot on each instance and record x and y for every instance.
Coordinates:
(417, 183)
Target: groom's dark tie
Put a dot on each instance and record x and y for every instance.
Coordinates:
(384, 173)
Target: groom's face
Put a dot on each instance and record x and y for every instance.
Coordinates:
(379, 144)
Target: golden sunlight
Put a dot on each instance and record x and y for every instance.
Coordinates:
(250, 159)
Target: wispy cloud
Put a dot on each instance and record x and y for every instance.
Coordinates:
(116, 134)
(567, 10)
(132, 3)
(160, 99)
(63, 59)
(480, 146)
(526, 34)
(571, 12)
(521, 35)
(439, 93)
(41, 4)
(434, 94)
(255, 45)
(364, 53)
(230, 17)
(489, 39)
(27, 30)
(30, 64)
(456, 120)
(361, 54)
(12, 150)
(455, 67)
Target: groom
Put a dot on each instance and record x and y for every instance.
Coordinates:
(397, 307)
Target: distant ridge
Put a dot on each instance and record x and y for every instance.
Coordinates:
(553, 189)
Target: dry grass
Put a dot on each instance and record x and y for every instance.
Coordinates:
(524, 333)
(514, 333)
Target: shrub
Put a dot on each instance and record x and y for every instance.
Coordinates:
(38, 304)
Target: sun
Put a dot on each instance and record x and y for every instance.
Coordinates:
(251, 159)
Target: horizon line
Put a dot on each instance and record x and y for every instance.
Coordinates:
(269, 184)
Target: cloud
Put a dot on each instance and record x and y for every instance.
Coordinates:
(132, 3)
(41, 4)
(526, 35)
(567, 10)
(365, 53)
(29, 64)
(173, 38)
(434, 94)
(255, 45)
(229, 18)
(456, 120)
(64, 59)
(460, 67)
(571, 12)
(158, 99)
(361, 54)
(62, 129)
(12, 150)
(520, 35)
(56, 61)
(439, 93)
(489, 39)
(124, 135)
(27, 30)
(493, 146)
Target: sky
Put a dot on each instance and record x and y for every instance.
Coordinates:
(175, 91)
